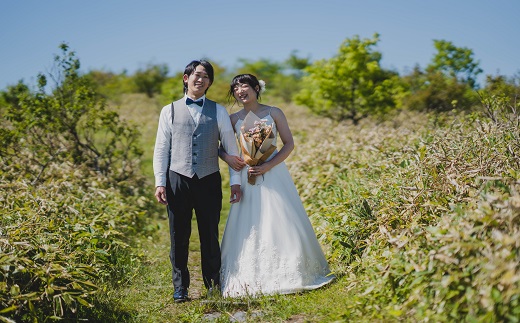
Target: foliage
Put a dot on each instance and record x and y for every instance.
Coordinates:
(435, 92)
(455, 62)
(283, 79)
(447, 83)
(264, 69)
(111, 85)
(73, 197)
(352, 84)
(71, 124)
(62, 241)
(283, 87)
(172, 89)
(287, 83)
(219, 89)
(504, 87)
(150, 79)
(296, 63)
(499, 107)
(421, 216)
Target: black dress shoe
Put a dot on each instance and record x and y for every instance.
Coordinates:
(180, 295)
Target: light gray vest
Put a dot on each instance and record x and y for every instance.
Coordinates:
(194, 147)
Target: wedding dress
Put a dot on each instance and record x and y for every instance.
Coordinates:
(269, 245)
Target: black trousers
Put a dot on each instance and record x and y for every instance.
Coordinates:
(204, 195)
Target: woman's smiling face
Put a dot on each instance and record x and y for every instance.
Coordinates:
(244, 93)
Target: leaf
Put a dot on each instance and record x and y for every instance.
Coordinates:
(6, 320)
(369, 290)
(395, 312)
(83, 302)
(8, 309)
(15, 290)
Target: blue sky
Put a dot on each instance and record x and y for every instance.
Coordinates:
(117, 35)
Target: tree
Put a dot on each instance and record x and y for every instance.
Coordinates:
(288, 82)
(501, 98)
(150, 79)
(70, 124)
(112, 85)
(504, 86)
(264, 69)
(352, 84)
(220, 87)
(297, 64)
(434, 91)
(282, 79)
(457, 62)
(447, 83)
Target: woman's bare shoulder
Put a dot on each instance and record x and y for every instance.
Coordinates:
(276, 112)
(235, 116)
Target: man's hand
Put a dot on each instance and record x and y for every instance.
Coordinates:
(236, 194)
(235, 162)
(160, 194)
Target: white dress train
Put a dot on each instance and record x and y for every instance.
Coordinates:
(269, 245)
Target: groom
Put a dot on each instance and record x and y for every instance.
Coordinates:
(187, 176)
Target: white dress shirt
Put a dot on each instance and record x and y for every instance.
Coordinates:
(163, 141)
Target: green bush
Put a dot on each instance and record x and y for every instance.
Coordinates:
(150, 79)
(73, 199)
(70, 124)
(63, 240)
(352, 84)
(423, 216)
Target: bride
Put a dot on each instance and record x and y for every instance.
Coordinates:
(269, 245)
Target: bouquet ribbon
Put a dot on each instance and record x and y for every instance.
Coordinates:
(251, 179)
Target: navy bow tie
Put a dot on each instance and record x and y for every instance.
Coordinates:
(199, 102)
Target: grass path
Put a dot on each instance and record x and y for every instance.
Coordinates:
(148, 295)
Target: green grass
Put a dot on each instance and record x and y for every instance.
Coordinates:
(411, 213)
(149, 297)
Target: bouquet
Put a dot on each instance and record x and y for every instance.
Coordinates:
(256, 141)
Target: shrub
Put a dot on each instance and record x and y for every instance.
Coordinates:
(73, 197)
(71, 124)
(422, 216)
(63, 240)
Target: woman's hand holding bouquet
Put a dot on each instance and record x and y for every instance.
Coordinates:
(256, 138)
